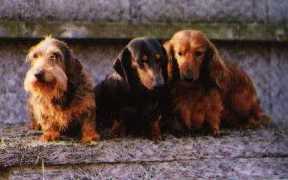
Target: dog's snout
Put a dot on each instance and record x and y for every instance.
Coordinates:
(39, 74)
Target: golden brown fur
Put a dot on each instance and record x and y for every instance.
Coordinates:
(193, 58)
(60, 92)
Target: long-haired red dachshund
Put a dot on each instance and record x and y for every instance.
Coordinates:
(196, 61)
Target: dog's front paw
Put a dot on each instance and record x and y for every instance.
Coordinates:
(156, 138)
(265, 120)
(216, 132)
(50, 136)
(88, 138)
(155, 132)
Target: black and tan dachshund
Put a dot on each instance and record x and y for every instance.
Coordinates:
(130, 99)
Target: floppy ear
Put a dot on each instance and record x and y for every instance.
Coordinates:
(172, 66)
(122, 63)
(73, 67)
(28, 56)
(165, 65)
(73, 70)
(217, 68)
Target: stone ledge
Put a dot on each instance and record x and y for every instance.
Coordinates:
(19, 147)
(93, 30)
(242, 168)
(141, 11)
(255, 154)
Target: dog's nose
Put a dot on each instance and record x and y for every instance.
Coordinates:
(39, 74)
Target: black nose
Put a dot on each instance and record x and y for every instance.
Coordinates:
(39, 74)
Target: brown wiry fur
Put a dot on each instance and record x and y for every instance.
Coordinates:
(193, 58)
(60, 92)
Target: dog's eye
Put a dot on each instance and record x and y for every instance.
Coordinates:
(145, 58)
(198, 54)
(157, 56)
(35, 55)
(180, 53)
(54, 56)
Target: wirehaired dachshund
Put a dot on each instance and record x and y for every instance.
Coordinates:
(60, 93)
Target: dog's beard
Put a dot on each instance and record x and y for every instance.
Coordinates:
(54, 84)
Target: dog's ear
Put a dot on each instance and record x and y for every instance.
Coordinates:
(165, 64)
(172, 65)
(217, 68)
(122, 64)
(73, 66)
(73, 70)
(28, 57)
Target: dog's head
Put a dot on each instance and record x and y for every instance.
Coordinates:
(53, 67)
(142, 63)
(192, 56)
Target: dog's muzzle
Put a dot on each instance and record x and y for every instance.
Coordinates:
(159, 81)
(40, 76)
(189, 75)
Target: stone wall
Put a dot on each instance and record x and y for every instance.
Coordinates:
(254, 33)
(147, 11)
(265, 62)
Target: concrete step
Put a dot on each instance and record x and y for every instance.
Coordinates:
(240, 154)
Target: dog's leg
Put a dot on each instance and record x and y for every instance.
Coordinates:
(50, 134)
(32, 122)
(257, 118)
(115, 129)
(213, 120)
(118, 128)
(214, 112)
(155, 131)
(88, 130)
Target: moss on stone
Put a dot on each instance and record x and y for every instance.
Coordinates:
(82, 30)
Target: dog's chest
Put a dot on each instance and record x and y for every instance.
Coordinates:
(47, 114)
(187, 93)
